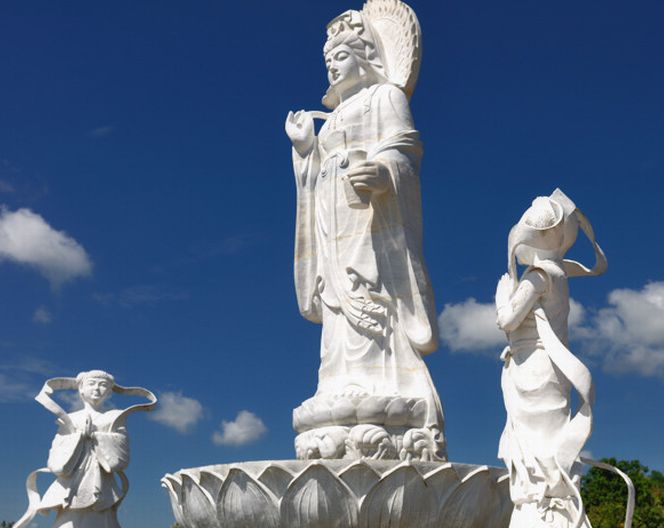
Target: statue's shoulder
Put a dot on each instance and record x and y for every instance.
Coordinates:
(389, 90)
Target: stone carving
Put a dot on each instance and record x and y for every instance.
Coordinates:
(542, 440)
(352, 494)
(88, 454)
(359, 269)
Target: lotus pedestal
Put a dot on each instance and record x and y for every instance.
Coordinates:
(340, 494)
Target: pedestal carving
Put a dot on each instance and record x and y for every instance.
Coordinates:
(337, 493)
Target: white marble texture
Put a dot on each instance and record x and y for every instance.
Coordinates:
(340, 493)
(88, 455)
(359, 269)
(543, 438)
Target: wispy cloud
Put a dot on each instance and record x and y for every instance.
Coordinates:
(27, 239)
(6, 187)
(142, 294)
(177, 411)
(246, 428)
(13, 389)
(101, 132)
(628, 334)
(42, 316)
(21, 379)
(71, 399)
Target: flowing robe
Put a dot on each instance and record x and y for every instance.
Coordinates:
(541, 441)
(345, 255)
(86, 493)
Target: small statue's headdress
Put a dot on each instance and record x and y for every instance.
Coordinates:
(549, 227)
(57, 384)
(390, 36)
(99, 374)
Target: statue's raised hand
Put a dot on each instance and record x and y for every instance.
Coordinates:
(504, 290)
(300, 130)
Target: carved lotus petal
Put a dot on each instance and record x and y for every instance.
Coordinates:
(360, 478)
(197, 504)
(344, 412)
(418, 414)
(443, 482)
(276, 479)
(174, 488)
(372, 410)
(398, 412)
(461, 509)
(504, 512)
(318, 499)
(246, 503)
(211, 482)
(401, 499)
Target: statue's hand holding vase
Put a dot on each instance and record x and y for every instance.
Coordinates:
(365, 179)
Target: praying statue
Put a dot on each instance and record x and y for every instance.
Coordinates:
(542, 440)
(88, 455)
(359, 269)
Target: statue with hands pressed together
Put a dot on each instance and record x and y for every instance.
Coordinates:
(88, 455)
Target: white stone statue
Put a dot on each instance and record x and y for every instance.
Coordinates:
(542, 439)
(88, 454)
(359, 269)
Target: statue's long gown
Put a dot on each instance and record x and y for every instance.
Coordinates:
(344, 253)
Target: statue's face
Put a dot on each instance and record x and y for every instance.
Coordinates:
(95, 391)
(343, 68)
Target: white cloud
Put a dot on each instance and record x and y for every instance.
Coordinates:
(625, 336)
(246, 428)
(177, 411)
(470, 326)
(577, 314)
(42, 316)
(26, 238)
(628, 335)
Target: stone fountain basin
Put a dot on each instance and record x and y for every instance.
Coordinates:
(340, 493)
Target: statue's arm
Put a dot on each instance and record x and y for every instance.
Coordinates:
(513, 310)
(65, 452)
(112, 449)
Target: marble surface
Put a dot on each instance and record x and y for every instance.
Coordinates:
(340, 493)
(88, 455)
(543, 438)
(359, 269)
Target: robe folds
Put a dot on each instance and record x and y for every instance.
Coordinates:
(542, 439)
(345, 254)
(86, 492)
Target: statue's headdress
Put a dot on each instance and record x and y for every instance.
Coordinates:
(390, 35)
(57, 384)
(100, 374)
(549, 227)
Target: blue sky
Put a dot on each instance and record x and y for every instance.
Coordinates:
(146, 183)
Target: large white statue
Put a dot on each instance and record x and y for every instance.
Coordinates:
(89, 451)
(359, 269)
(542, 440)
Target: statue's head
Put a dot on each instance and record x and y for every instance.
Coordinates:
(352, 56)
(539, 235)
(95, 387)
